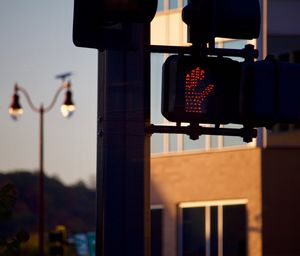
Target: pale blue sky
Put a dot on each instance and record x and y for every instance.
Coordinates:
(36, 44)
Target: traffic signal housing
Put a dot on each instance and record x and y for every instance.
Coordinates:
(127, 10)
(207, 19)
(201, 89)
(220, 90)
(270, 92)
(105, 24)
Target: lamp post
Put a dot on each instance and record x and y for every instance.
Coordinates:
(16, 110)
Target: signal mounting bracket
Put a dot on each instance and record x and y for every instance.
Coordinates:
(195, 130)
(248, 52)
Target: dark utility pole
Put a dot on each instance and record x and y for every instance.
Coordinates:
(120, 30)
(123, 153)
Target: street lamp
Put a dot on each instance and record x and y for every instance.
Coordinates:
(16, 110)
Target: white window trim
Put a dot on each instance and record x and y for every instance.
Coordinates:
(207, 204)
(213, 203)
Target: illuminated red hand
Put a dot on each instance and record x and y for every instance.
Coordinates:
(197, 91)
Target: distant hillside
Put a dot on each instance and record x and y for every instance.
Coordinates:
(72, 206)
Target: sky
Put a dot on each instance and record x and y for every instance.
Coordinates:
(36, 45)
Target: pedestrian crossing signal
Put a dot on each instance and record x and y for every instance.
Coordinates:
(200, 89)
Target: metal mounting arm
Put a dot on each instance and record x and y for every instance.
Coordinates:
(248, 52)
(194, 131)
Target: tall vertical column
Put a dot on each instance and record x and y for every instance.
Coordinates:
(123, 160)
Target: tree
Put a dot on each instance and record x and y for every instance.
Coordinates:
(10, 244)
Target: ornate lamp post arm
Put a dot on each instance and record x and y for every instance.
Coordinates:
(67, 107)
(26, 94)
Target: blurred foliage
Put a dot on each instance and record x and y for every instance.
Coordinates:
(10, 244)
(7, 201)
(72, 206)
(30, 248)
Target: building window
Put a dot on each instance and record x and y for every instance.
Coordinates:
(194, 144)
(231, 141)
(213, 228)
(173, 4)
(160, 5)
(156, 230)
(157, 61)
(235, 44)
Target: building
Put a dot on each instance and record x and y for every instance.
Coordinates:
(219, 196)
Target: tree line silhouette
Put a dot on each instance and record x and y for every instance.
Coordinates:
(72, 206)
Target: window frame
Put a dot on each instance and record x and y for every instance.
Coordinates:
(208, 205)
